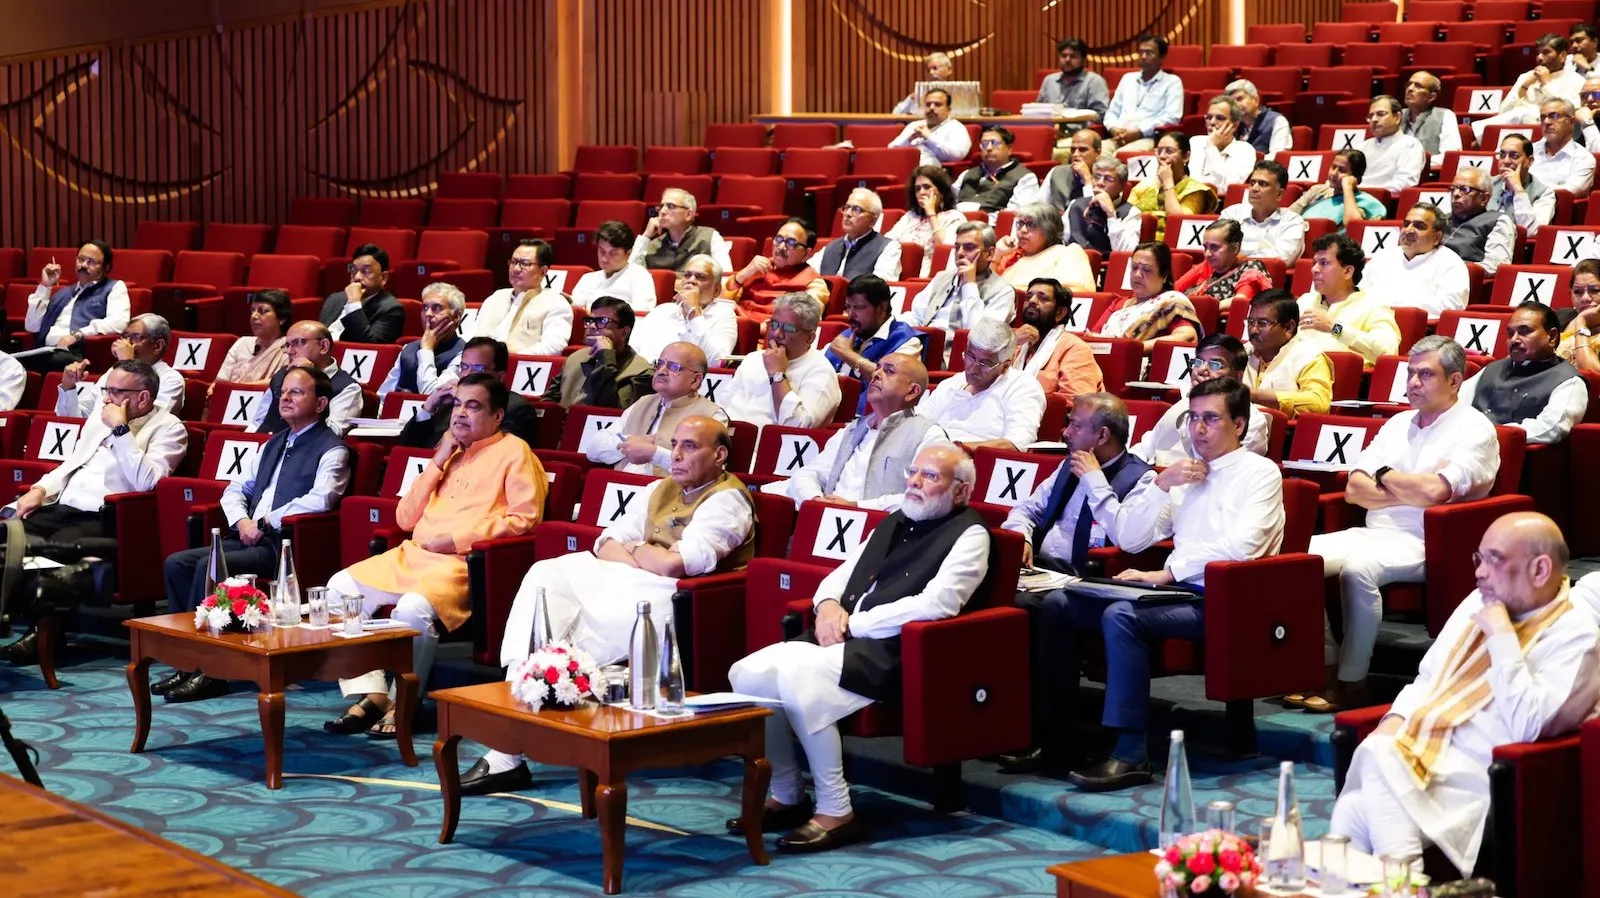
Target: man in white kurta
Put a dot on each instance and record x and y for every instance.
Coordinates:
(933, 554)
(1521, 651)
(1395, 159)
(1271, 229)
(1217, 355)
(789, 383)
(695, 315)
(1442, 450)
(938, 137)
(641, 442)
(525, 316)
(991, 403)
(13, 380)
(1532, 388)
(1219, 157)
(1421, 271)
(616, 276)
(1549, 79)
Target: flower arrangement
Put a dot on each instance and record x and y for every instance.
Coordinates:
(1197, 863)
(234, 605)
(557, 674)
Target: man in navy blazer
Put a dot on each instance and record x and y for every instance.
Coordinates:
(366, 312)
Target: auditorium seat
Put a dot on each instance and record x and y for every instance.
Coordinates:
(319, 241)
(197, 356)
(1006, 479)
(607, 186)
(1288, 34)
(1549, 284)
(479, 213)
(740, 134)
(323, 211)
(792, 135)
(226, 237)
(754, 161)
(172, 236)
(1324, 448)
(605, 158)
(1011, 101)
(1120, 360)
(556, 186)
(296, 274)
(665, 160)
(1345, 32)
(469, 185)
(1241, 56)
(1415, 33)
(195, 274)
(1444, 58)
(864, 137)
(12, 262)
(1562, 245)
(781, 451)
(387, 212)
(740, 198)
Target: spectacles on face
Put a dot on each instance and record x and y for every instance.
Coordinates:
(670, 207)
(1211, 420)
(1508, 155)
(1212, 365)
(1466, 188)
(782, 327)
(522, 264)
(1378, 116)
(123, 391)
(1586, 289)
(1492, 558)
(670, 366)
(297, 342)
(784, 243)
(981, 365)
(854, 209)
(1590, 96)
(365, 271)
(989, 144)
(135, 338)
(469, 368)
(594, 322)
(1552, 116)
(1255, 324)
(297, 392)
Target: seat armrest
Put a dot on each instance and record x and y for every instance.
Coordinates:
(495, 568)
(1263, 627)
(129, 518)
(1536, 817)
(316, 546)
(772, 586)
(953, 712)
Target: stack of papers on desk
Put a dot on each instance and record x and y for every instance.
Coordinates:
(1037, 579)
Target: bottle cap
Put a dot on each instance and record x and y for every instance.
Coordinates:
(1177, 735)
(644, 606)
(1286, 767)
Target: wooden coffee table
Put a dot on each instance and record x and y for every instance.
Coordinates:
(1116, 876)
(605, 744)
(271, 658)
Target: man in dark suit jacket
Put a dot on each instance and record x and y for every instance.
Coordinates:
(481, 355)
(366, 312)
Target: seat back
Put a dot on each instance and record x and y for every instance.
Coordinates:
(756, 161)
(676, 160)
(233, 403)
(1331, 439)
(1549, 284)
(466, 248)
(323, 211)
(366, 363)
(318, 241)
(404, 466)
(142, 267)
(171, 236)
(51, 438)
(399, 243)
(607, 495)
(1479, 329)
(606, 158)
(469, 185)
(781, 451)
(1143, 415)
(1008, 478)
(1169, 362)
(582, 418)
(824, 533)
(218, 269)
(1119, 361)
(1375, 234)
(392, 212)
(740, 134)
(530, 374)
(197, 355)
(463, 213)
(1563, 245)
(228, 454)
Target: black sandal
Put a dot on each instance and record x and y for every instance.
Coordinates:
(348, 724)
(385, 728)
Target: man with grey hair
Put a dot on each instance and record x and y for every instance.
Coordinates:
(990, 403)
(1421, 271)
(1584, 113)
(429, 361)
(790, 383)
(1265, 129)
(641, 443)
(1433, 126)
(999, 181)
(1558, 160)
(696, 315)
(145, 340)
(1218, 157)
(862, 250)
(921, 563)
(967, 292)
(1441, 450)
(937, 67)
(1104, 220)
(671, 238)
(1477, 233)
(1395, 160)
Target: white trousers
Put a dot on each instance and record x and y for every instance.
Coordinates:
(411, 609)
(805, 677)
(591, 603)
(1364, 559)
(1372, 816)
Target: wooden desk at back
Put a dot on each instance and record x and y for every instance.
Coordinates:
(50, 846)
(885, 118)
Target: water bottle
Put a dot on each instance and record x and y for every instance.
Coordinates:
(644, 660)
(671, 679)
(286, 594)
(1177, 795)
(216, 565)
(1286, 848)
(541, 622)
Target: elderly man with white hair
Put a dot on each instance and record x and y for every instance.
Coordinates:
(1589, 97)
(790, 383)
(1558, 160)
(671, 238)
(991, 402)
(429, 361)
(937, 67)
(966, 292)
(1219, 157)
(1265, 129)
(696, 315)
(1477, 233)
(862, 250)
(144, 339)
(921, 563)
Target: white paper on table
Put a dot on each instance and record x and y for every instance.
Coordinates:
(1360, 868)
(1043, 579)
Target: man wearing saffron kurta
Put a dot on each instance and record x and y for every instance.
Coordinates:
(479, 485)
(1286, 372)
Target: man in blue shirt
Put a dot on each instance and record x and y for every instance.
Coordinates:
(1146, 100)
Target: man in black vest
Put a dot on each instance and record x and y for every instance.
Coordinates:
(1105, 221)
(861, 250)
(921, 563)
(999, 181)
(366, 312)
(62, 319)
(482, 355)
(1059, 524)
(1477, 233)
(1533, 389)
(1265, 129)
(1070, 180)
(303, 469)
(309, 346)
(671, 238)
(425, 363)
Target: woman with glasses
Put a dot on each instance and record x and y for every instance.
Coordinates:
(930, 218)
(1034, 249)
(1171, 191)
(1574, 345)
(254, 359)
(1224, 276)
(1155, 311)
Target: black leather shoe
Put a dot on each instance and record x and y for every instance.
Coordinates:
(811, 838)
(479, 781)
(777, 821)
(25, 651)
(1038, 760)
(198, 687)
(1110, 775)
(347, 724)
(166, 683)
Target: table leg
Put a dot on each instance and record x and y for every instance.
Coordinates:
(270, 706)
(444, 760)
(406, 699)
(48, 628)
(588, 781)
(139, 685)
(757, 777)
(612, 799)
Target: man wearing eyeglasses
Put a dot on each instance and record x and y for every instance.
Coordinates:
(755, 286)
(310, 345)
(999, 181)
(1270, 229)
(425, 363)
(529, 317)
(967, 292)
(861, 250)
(697, 314)
(1478, 234)
(1558, 160)
(365, 312)
(1219, 157)
(606, 372)
(1549, 79)
(480, 355)
(873, 333)
(991, 402)
(145, 340)
(1433, 126)
(1516, 191)
(671, 238)
(1532, 389)
(1285, 372)
(789, 383)
(641, 443)
(61, 319)
(1395, 160)
(1167, 441)
(1421, 271)
(1589, 99)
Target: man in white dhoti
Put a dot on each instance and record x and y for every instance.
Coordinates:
(699, 520)
(1515, 662)
(921, 563)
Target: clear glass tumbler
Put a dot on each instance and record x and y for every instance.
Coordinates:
(317, 598)
(352, 614)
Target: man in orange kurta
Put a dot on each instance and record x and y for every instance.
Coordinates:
(1059, 358)
(479, 485)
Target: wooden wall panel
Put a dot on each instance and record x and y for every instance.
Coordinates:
(1269, 12)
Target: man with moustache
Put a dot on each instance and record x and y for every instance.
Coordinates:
(641, 443)
(1271, 230)
(616, 276)
(310, 345)
(1285, 372)
(525, 316)
(873, 333)
(967, 292)
(697, 314)
(861, 249)
(481, 355)
(1071, 180)
(1516, 191)
(938, 137)
(999, 181)
(61, 316)
(672, 238)
(788, 383)
(1434, 126)
(606, 372)
(1265, 129)
(1335, 313)
(1478, 234)
(1421, 271)
(752, 287)
(1046, 349)
(1533, 389)
(990, 402)
(1558, 160)
(365, 312)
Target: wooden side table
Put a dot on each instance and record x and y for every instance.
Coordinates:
(271, 658)
(606, 744)
(1115, 876)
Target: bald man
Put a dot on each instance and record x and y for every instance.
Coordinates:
(921, 563)
(1478, 233)
(641, 443)
(862, 250)
(310, 345)
(1516, 662)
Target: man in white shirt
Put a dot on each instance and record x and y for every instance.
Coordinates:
(1434, 126)
(672, 238)
(528, 318)
(1219, 157)
(990, 403)
(1516, 191)
(1583, 48)
(641, 443)
(1271, 230)
(999, 181)
(938, 137)
(861, 249)
(864, 463)
(616, 276)
(1549, 79)
(429, 361)
(938, 67)
(145, 340)
(1145, 100)
(13, 380)
(1395, 160)
(62, 319)
(1516, 662)
(967, 292)
(1217, 355)
(1338, 315)
(1558, 160)
(695, 315)
(309, 344)
(1532, 388)
(790, 383)
(1478, 234)
(1441, 450)
(1421, 271)
(1224, 505)
(1265, 129)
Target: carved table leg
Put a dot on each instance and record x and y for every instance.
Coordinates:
(612, 801)
(406, 700)
(270, 706)
(139, 685)
(587, 782)
(444, 760)
(757, 777)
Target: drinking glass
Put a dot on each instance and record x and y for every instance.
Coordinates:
(1335, 858)
(317, 598)
(1220, 815)
(1397, 875)
(352, 614)
(613, 684)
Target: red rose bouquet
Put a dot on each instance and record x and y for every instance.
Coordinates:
(1213, 859)
(557, 674)
(235, 605)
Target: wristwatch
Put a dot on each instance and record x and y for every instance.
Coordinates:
(1377, 476)
(1337, 329)
(775, 379)
(120, 430)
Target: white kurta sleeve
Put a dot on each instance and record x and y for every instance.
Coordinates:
(39, 300)
(13, 379)
(719, 525)
(721, 250)
(1144, 519)
(1027, 191)
(1024, 410)
(1126, 230)
(1497, 246)
(812, 400)
(959, 576)
(1582, 177)
(160, 457)
(1030, 513)
(76, 403)
(1534, 700)
(950, 143)
(1567, 404)
(1282, 139)
(715, 330)
(555, 331)
(1449, 135)
(345, 406)
(602, 445)
(1474, 464)
(235, 507)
